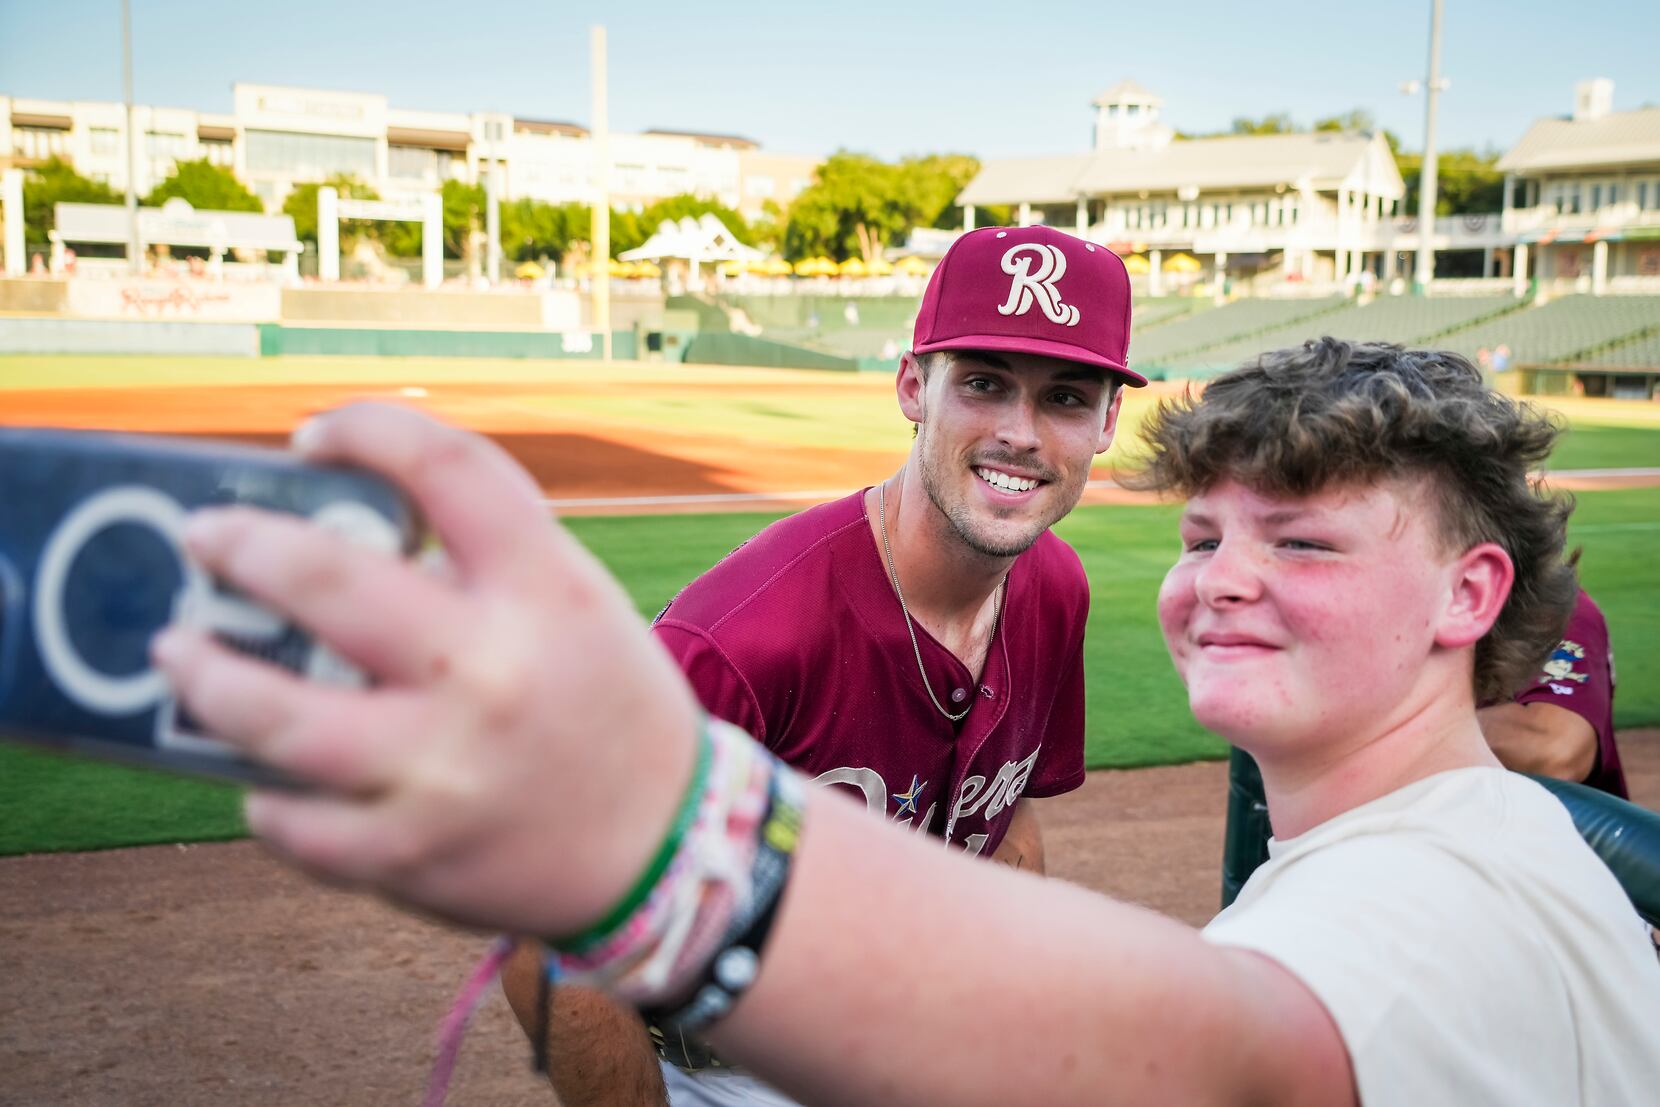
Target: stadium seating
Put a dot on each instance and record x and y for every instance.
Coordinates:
(1151, 311)
(1409, 320)
(1171, 345)
(1640, 353)
(1568, 330)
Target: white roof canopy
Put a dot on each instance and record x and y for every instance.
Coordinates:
(176, 223)
(702, 239)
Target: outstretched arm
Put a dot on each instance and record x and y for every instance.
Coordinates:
(522, 707)
(1541, 738)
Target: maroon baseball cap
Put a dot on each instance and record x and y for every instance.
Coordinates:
(1030, 290)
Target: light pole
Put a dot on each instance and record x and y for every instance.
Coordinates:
(1432, 85)
(134, 261)
(601, 144)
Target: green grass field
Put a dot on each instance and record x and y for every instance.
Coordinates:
(1137, 711)
(803, 408)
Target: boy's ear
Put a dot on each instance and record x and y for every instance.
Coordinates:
(1480, 585)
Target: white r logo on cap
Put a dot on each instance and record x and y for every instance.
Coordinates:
(1039, 286)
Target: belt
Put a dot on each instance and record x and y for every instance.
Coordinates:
(676, 1048)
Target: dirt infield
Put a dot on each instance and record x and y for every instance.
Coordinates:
(209, 974)
(574, 457)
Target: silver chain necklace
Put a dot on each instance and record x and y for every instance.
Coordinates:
(910, 626)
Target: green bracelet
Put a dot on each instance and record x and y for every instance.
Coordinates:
(638, 894)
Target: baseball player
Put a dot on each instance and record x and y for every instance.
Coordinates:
(919, 643)
(1362, 560)
(1562, 725)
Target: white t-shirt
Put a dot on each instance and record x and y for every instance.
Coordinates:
(1470, 947)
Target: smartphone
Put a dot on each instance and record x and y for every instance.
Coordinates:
(92, 566)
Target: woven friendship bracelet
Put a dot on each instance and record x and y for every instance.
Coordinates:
(714, 880)
(652, 875)
(733, 968)
(670, 933)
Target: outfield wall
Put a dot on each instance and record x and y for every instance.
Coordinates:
(277, 340)
(114, 336)
(33, 295)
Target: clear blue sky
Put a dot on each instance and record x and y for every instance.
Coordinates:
(889, 78)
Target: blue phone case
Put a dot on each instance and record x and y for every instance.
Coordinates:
(91, 567)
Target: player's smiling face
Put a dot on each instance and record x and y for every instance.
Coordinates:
(1292, 618)
(1005, 441)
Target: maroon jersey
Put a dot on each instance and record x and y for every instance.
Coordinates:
(797, 637)
(1579, 675)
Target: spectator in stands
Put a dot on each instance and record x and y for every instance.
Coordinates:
(1562, 725)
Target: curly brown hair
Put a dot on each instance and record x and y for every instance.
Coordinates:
(1334, 413)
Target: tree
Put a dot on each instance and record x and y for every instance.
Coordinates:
(207, 187)
(301, 206)
(46, 186)
(1279, 123)
(1467, 182)
(767, 232)
(533, 229)
(1359, 119)
(628, 231)
(930, 185)
(678, 207)
(463, 219)
(850, 209)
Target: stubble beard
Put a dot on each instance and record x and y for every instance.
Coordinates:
(961, 516)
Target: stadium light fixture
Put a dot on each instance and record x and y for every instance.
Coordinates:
(1432, 85)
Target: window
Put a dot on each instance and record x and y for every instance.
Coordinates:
(106, 140)
(411, 162)
(166, 145)
(219, 153)
(39, 142)
(760, 187)
(1642, 195)
(1596, 197)
(292, 154)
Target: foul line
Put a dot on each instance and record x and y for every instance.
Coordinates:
(1597, 474)
(820, 494)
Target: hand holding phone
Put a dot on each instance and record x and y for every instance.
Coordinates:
(92, 566)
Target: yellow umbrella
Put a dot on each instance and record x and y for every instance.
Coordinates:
(1183, 263)
(880, 267)
(618, 268)
(853, 267)
(647, 269)
(815, 267)
(1136, 265)
(732, 268)
(777, 267)
(529, 271)
(912, 267)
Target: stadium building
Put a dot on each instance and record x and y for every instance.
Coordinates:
(1299, 207)
(277, 137)
(1581, 211)
(1582, 196)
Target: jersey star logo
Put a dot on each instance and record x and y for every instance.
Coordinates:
(907, 801)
